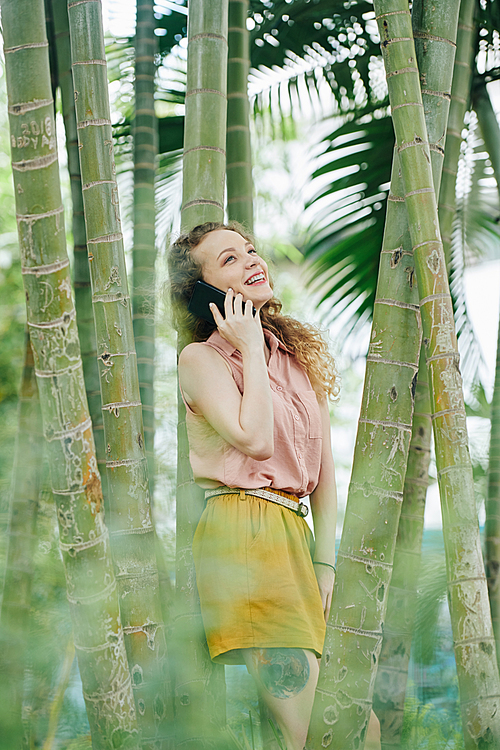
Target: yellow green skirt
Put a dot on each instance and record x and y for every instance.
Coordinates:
(255, 578)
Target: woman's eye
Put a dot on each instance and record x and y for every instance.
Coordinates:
(252, 250)
(229, 257)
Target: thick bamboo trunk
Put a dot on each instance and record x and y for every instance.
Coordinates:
(491, 136)
(468, 597)
(91, 587)
(144, 250)
(81, 271)
(392, 674)
(460, 97)
(200, 685)
(22, 539)
(435, 32)
(131, 523)
(364, 564)
(239, 154)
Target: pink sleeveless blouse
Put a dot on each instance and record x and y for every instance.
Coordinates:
(296, 462)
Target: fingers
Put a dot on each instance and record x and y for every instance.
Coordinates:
(216, 313)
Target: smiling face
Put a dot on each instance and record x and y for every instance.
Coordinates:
(229, 260)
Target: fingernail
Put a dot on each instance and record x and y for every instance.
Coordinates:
(230, 289)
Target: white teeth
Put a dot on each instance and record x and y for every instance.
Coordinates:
(254, 279)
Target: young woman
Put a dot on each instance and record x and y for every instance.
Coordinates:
(256, 389)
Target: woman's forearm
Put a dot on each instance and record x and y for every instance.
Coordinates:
(324, 511)
(256, 411)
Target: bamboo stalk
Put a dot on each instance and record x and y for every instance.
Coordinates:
(491, 135)
(392, 674)
(131, 522)
(200, 686)
(435, 32)
(477, 669)
(239, 154)
(81, 271)
(91, 587)
(342, 705)
(144, 249)
(22, 539)
(460, 96)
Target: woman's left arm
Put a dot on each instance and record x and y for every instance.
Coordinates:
(324, 512)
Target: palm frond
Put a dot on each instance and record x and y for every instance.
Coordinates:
(347, 218)
(475, 237)
(307, 56)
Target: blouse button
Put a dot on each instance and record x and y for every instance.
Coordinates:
(296, 417)
(279, 388)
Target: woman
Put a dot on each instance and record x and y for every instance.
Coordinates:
(255, 389)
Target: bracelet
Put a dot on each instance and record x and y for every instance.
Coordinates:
(317, 562)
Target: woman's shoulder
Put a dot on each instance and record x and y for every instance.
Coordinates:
(197, 354)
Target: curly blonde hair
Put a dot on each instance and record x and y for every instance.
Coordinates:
(304, 341)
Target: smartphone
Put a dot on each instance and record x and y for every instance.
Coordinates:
(203, 294)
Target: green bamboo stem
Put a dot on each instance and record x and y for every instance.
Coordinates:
(435, 31)
(144, 250)
(491, 136)
(22, 539)
(460, 96)
(239, 154)
(81, 271)
(200, 685)
(76, 485)
(204, 165)
(353, 639)
(392, 674)
(131, 523)
(468, 597)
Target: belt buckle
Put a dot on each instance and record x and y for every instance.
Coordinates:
(302, 510)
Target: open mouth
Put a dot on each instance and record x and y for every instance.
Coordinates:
(257, 278)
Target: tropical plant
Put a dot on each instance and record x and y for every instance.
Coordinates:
(344, 693)
(76, 485)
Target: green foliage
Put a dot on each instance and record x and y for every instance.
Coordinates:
(345, 238)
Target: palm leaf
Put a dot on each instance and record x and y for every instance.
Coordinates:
(475, 237)
(347, 217)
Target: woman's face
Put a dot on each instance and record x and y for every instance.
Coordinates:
(229, 260)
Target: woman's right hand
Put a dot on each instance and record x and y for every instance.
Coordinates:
(240, 326)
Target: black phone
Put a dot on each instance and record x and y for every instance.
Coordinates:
(201, 297)
(203, 294)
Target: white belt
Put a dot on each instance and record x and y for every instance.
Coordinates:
(287, 501)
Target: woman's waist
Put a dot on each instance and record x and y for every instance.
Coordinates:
(270, 494)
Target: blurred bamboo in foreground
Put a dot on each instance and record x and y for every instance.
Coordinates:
(76, 485)
(22, 539)
(130, 522)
